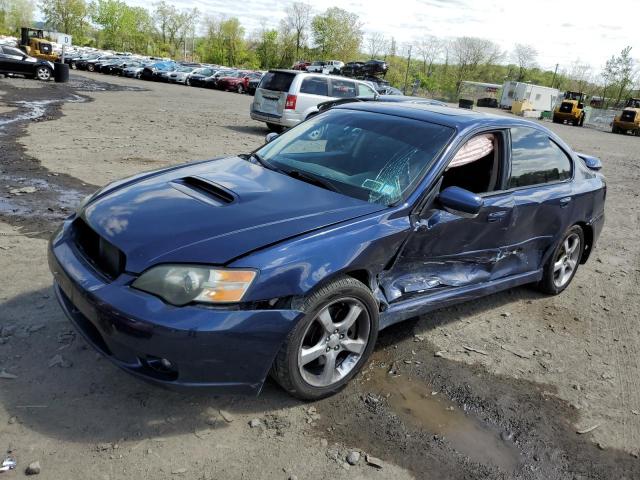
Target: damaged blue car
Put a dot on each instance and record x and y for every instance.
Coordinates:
(290, 260)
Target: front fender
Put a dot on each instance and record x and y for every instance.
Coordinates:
(295, 267)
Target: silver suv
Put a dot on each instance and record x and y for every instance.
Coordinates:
(285, 98)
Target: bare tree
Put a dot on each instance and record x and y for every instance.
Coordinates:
(579, 75)
(375, 44)
(469, 53)
(299, 18)
(525, 57)
(428, 48)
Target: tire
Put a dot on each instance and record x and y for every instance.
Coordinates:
(91, 67)
(240, 89)
(615, 130)
(340, 319)
(554, 278)
(275, 127)
(581, 122)
(73, 66)
(43, 73)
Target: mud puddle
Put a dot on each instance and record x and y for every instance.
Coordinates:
(33, 110)
(421, 405)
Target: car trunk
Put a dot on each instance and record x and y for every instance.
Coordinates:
(272, 92)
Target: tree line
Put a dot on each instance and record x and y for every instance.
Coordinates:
(429, 65)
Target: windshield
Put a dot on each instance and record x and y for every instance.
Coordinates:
(186, 69)
(374, 157)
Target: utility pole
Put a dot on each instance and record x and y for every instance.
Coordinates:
(554, 76)
(406, 75)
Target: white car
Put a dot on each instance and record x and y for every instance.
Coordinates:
(284, 98)
(180, 75)
(327, 67)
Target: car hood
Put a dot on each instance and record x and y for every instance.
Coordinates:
(212, 212)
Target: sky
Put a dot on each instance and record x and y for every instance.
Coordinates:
(562, 31)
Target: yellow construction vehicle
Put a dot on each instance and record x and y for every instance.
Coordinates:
(34, 43)
(629, 118)
(571, 109)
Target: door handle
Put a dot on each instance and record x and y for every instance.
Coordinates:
(565, 201)
(497, 216)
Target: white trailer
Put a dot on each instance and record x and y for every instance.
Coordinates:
(542, 98)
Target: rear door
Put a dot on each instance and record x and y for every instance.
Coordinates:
(343, 88)
(540, 181)
(272, 92)
(12, 60)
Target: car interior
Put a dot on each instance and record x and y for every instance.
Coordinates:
(476, 166)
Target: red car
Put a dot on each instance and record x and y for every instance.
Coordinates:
(301, 66)
(238, 81)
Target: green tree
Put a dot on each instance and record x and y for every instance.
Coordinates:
(337, 34)
(15, 14)
(68, 16)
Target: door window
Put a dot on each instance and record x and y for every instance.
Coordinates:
(315, 86)
(365, 91)
(536, 159)
(343, 89)
(476, 166)
(13, 51)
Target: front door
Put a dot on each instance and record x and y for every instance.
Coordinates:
(449, 250)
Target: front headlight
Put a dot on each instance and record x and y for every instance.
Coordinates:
(182, 284)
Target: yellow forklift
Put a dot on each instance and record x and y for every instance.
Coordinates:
(34, 43)
(629, 118)
(571, 109)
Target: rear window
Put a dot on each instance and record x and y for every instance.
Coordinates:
(343, 89)
(315, 86)
(277, 81)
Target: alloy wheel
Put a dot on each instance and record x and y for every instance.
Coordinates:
(43, 73)
(566, 260)
(334, 342)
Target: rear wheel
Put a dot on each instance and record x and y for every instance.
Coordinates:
(563, 264)
(581, 122)
(615, 129)
(43, 73)
(331, 343)
(240, 88)
(275, 127)
(91, 67)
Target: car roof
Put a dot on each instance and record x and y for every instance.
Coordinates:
(458, 118)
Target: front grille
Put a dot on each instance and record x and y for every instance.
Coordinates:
(628, 116)
(106, 258)
(566, 107)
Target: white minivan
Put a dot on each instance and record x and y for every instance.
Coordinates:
(284, 98)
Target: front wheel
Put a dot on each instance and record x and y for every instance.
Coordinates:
(240, 88)
(43, 73)
(581, 122)
(331, 343)
(563, 264)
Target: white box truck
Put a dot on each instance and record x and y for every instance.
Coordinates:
(542, 98)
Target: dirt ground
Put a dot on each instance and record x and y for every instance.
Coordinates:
(497, 389)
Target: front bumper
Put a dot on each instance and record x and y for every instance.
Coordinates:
(225, 350)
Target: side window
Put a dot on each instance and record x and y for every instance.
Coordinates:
(343, 88)
(476, 165)
(536, 159)
(315, 86)
(365, 91)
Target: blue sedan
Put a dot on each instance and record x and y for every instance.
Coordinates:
(290, 260)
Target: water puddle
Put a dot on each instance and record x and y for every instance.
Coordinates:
(33, 110)
(417, 404)
(20, 201)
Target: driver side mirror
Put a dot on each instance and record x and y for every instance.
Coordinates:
(270, 137)
(459, 201)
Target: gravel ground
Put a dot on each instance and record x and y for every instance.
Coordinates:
(496, 388)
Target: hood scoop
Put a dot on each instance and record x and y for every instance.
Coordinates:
(204, 190)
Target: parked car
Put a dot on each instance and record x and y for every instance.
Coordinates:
(180, 75)
(15, 61)
(212, 81)
(73, 60)
(300, 66)
(375, 68)
(198, 76)
(134, 71)
(285, 98)
(122, 67)
(254, 81)
(352, 69)
(326, 67)
(237, 81)
(152, 71)
(94, 64)
(291, 259)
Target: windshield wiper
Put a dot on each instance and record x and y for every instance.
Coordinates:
(306, 177)
(258, 159)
